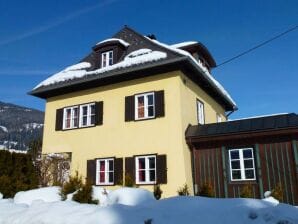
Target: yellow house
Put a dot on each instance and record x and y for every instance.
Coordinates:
(124, 108)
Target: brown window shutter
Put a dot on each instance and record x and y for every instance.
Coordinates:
(91, 171)
(130, 167)
(59, 119)
(161, 169)
(118, 171)
(99, 113)
(129, 108)
(159, 103)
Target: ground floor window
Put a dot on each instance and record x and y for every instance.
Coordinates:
(105, 171)
(242, 165)
(145, 169)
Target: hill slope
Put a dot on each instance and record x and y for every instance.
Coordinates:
(19, 125)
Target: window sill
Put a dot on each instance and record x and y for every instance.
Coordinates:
(146, 183)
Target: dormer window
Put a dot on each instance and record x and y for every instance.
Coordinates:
(106, 59)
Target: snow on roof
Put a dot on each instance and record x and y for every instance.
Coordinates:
(137, 57)
(124, 43)
(183, 44)
(204, 70)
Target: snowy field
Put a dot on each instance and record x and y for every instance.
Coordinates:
(135, 206)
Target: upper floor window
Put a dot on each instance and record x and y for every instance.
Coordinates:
(87, 115)
(70, 117)
(200, 112)
(105, 171)
(106, 59)
(242, 164)
(145, 169)
(144, 106)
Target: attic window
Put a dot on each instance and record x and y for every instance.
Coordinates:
(106, 59)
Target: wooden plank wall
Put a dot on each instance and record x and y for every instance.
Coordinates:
(277, 166)
(209, 169)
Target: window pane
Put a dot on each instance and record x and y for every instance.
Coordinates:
(247, 153)
(150, 99)
(235, 164)
(142, 163)
(92, 109)
(150, 111)
(249, 174)
(102, 177)
(142, 175)
(102, 165)
(68, 123)
(111, 177)
(234, 154)
(75, 122)
(84, 122)
(248, 163)
(152, 175)
(111, 165)
(84, 108)
(151, 162)
(75, 112)
(236, 174)
(140, 101)
(68, 113)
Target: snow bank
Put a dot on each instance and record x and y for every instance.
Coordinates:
(130, 196)
(174, 210)
(100, 194)
(46, 194)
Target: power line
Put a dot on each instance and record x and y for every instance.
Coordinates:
(258, 46)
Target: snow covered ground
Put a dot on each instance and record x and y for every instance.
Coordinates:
(119, 210)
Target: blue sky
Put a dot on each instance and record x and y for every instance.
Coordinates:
(39, 38)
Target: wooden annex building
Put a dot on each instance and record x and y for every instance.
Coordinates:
(261, 152)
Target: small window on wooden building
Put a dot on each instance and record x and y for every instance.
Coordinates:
(242, 164)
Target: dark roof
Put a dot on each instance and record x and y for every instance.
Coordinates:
(173, 61)
(257, 124)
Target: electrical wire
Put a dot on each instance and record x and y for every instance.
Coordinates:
(258, 46)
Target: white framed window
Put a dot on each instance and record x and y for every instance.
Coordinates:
(144, 106)
(200, 112)
(105, 171)
(242, 164)
(145, 169)
(106, 59)
(218, 118)
(70, 117)
(87, 115)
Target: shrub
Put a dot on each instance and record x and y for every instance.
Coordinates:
(84, 194)
(183, 191)
(157, 192)
(246, 191)
(277, 192)
(206, 190)
(128, 181)
(73, 184)
(17, 173)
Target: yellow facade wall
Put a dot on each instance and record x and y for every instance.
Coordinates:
(118, 138)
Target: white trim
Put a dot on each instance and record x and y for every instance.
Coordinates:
(218, 118)
(146, 105)
(147, 169)
(106, 171)
(108, 58)
(72, 125)
(89, 115)
(242, 168)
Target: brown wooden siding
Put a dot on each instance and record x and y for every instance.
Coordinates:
(277, 166)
